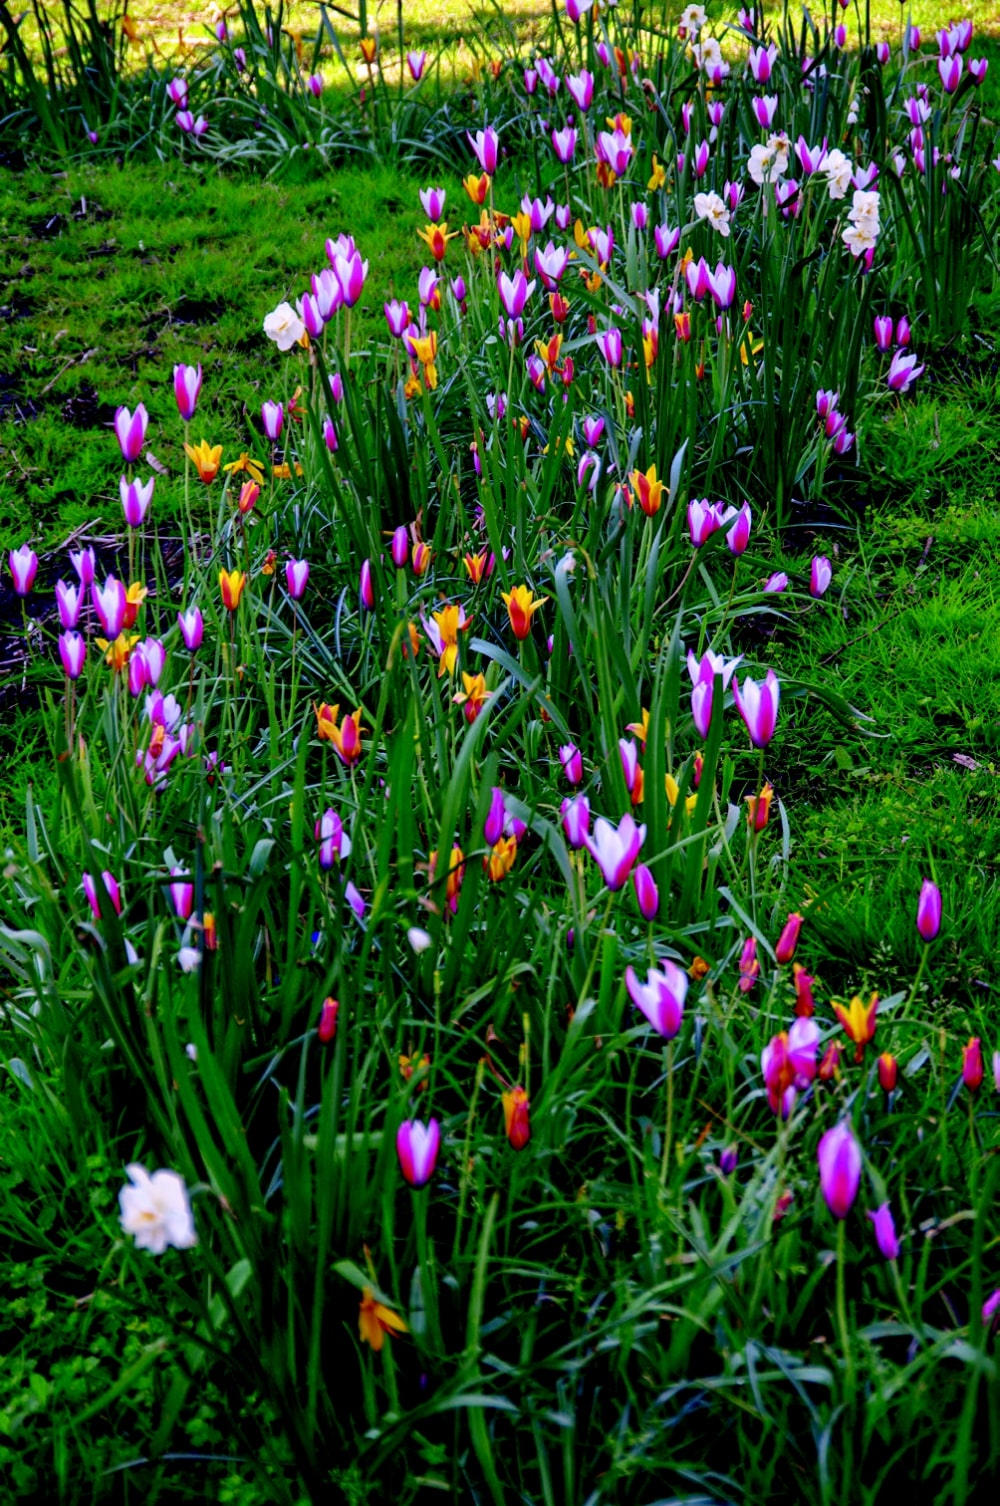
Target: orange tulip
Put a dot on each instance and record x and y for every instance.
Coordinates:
(375, 1320)
(521, 607)
(231, 584)
(515, 1113)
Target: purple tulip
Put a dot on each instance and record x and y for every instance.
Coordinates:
(95, 898)
(432, 201)
(23, 568)
(820, 575)
(727, 1160)
(903, 371)
(929, 910)
(417, 62)
(109, 603)
(486, 145)
(885, 1232)
(609, 343)
(581, 89)
(615, 849)
(192, 628)
(883, 332)
(417, 1147)
(136, 497)
(738, 536)
(572, 762)
(576, 820)
(757, 704)
(950, 69)
(130, 430)
(296, 578)
(354, 898)
(839, 1157)
(83, 563)
(72, 652)
(776, 583)
(646, 893)
(187, 390)
(514, 292)
(69, 600)
(661, 997)
(272, 416)
(181, 894)
(156, 658)
(366, 590)
(350, 272)
(667, 240)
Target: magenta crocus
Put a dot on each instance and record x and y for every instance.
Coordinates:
(820, 575)
(23, 564)
(576, 820)
(97, 897)
(136, 497)
(130, 431)
(839, 1157)
(885, 1232)
(929, 910)
(72, 652)
(296, 578)
(486, 145)
(757, 704)
(661, 997)
(572, 762)
(615, 849)
(187, 390)
(417, 1146)
(110, 603)
(192, 628)
(272, 416)
(647, 896)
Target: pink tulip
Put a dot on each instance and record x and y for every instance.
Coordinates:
(72, 652)
(972, 1064)
(417, 62)
(885, 1232)
(615, 849)
(576, 821)
(903, 371)
(757, 704)
(572, 762)
(135, 498)
(820, 575)
(366, 590)
(109, 603)
(181, 894)
(187, 390)
(738, 536)
(23, 568)
(789, 939)
(609, 343)
(130, 431)
(581, 89)
(296, 578)
(646, 893)
(929, 910)
(661, 997)
(417, 1146)
(96, 898)
(83, 563)
(192, 628)
(514, 292)
(69, 600)
(272, 416)
(486, 145)
(839, 1157)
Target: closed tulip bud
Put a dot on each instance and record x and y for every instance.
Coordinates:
(97, 897)
(187, 390)
(883, 333)
(759, 808)
(738, 537)
(330, 435)
(421, 558)
(72, 652)
(749, 965)
(885, 1232)
(727, 1160)
(576, 820)
(572, 762)
(888, 1071)
(181, 895)
(789, 939)
(69, 600)
(646, 893)
(327, 1027)
(192, 628)
(135, 498)
(839, 1157)
(972, 1064)
(272, 416)
(296, 578)
(110, 602)
(417, 1147)
(757, 703)
(829, 1067)
(400, 547)
(496, 816)
(138, 671)
(929, 911)
(516, 1121)
(231, 586)
(820, 575)
(23, 568)
(84, 564)
(130, 431)
(996, 1070)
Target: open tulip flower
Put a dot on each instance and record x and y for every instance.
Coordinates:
(345, 737)
(661, 997)
(859, 1022)
(615, 849)
(205, 458)
(757, 704)
(521, 607)
(375, 1320)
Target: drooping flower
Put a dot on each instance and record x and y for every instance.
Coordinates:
(156, 1210)
(839, 1156)
(661, 997)
(375, 1320)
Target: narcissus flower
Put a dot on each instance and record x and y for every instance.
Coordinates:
(205, 458)
(859, 1022)
(417, 1147)
(661, 997)
(346, 738)
(839, 1157)
(375, 1320)
(231, 584)
(521, 607)
(515, 1114)
(156, 1210)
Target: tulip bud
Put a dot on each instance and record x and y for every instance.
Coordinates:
(296, 578)
(885, 1232)
(759, 808)
(646, 893)
(829, 1067)
(365, 588)
(417, 1147)
(572, 762)
(929, 911)
(727, 1160)
(515, 1113)
(789, 939)
(972, 1064)
(576, 820)
(888, 1071)
(400, 547)
(72, 652)
(839, 1169)
(327, 1027)
(749, 966)
(493, 829)
(23, 568)
(804, 1005)
(192, 628)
